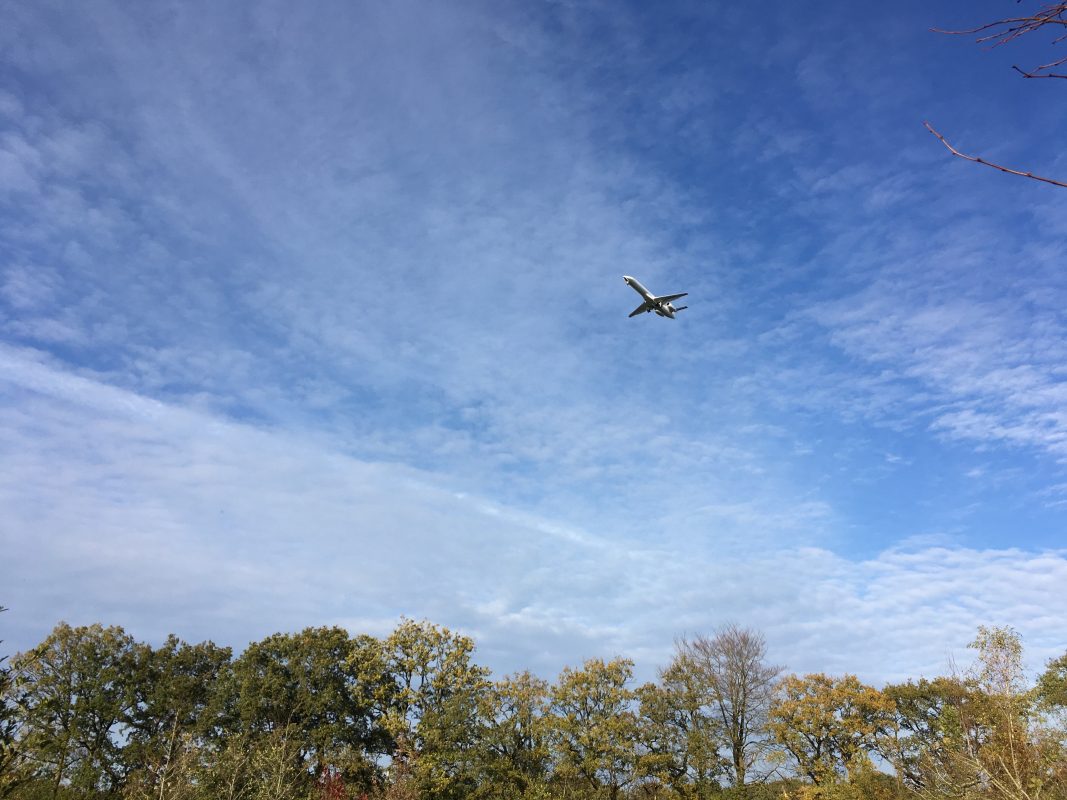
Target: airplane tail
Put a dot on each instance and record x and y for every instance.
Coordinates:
(681, 308)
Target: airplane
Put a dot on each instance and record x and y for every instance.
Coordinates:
(661, 305)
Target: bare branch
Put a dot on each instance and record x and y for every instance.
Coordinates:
(1013, 27)
(1055, 63)
(1026, 74)
(1002, 31)
(978, 160)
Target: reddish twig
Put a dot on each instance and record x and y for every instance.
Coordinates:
(1026, 74)
(978, 160)
(1014, 27)
(1005, 30)
(1050, 65)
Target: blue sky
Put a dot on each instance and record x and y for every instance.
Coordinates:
(315, 315)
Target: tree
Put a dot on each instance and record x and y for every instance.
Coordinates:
(830, 726)
(323, 689)
(594, 728)
(1014, 758)
(74, 697)
(433, 703)
(273, 762)
(978, 734)
(10, 774)
(1051, 697)
(182, 777)
(1052, 685)
(733, 667)
(678, 740)
(173, 688)
(1001, 32)
(514, 735)
(937, 720)
(265, 766)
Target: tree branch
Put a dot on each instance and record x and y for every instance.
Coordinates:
(1005, 30)
(1026, 74)
(978, 160)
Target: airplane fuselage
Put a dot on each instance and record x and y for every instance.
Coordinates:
(661, 306)
(638, 287)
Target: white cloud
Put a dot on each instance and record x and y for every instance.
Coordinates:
(993, 368)
(128, 511)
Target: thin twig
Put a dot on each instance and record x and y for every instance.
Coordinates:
(1014, 27)
(1047, 66)
(1026, 74)
(1005, 30)
(978, 160)
(1055, 63)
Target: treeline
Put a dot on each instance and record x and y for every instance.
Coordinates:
(92, 713)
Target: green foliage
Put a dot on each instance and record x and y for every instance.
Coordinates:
(321, 687)
(516, 756)
(679, 741)
(594, 728)
(173, 691)
(935, 720)
(781, 789)
(73, 694)
(433, 707)
(1052, 685)
(999, 667)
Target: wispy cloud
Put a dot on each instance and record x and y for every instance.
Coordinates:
(163, 519)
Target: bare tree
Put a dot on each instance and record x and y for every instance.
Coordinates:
(732, 666)
(1003, 31)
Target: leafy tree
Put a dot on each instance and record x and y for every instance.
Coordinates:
(514, 736)
(320, 714)
(594, 728)
(667, 743)
(680, 734)
(73, 695)
(322, 688)
(1052, 685)
(433, 706)
(173, 687)
(732, 666)
(936, 721)
(830, 726)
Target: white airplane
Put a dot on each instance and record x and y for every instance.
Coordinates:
(661, 305)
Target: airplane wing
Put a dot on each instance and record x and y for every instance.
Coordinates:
(639, 309)
(669, 297)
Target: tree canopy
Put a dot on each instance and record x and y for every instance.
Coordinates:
(92, 713)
